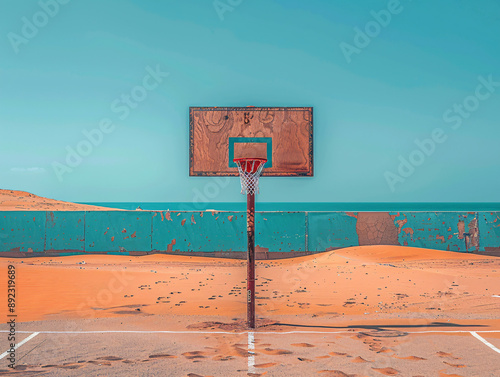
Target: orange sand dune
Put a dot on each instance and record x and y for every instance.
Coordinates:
(382, 253)
(376, 281)
(13, 200)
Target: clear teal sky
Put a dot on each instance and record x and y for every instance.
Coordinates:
(68, 74)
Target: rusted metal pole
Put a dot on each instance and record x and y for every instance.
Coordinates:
(251, 261)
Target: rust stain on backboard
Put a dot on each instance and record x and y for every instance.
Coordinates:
(287, 131)
(256, 150)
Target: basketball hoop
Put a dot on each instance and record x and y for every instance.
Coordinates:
(250, 171)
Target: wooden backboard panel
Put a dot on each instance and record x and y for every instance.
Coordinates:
(282, 134)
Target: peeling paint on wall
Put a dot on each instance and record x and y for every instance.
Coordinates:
(461, 229)
(438, 237)
(473, 241)
(277, 233)
(401, 223)
(170, 246)
(408, 231)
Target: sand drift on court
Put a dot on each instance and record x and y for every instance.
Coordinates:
(374, 281)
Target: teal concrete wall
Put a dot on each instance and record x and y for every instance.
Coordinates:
(125, 232)
(331, 230)
(199, 231)
(489, 230)
(64, 230)
(431, 230)
(22, 231)
(280, 231)
(118, 231)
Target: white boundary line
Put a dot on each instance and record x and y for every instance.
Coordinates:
(473, 333)
(251, 353)
(19, 344)
(245, 332)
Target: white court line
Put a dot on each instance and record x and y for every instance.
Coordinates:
(251, 353)
(473, 333)
(19, 344)
(244, 332)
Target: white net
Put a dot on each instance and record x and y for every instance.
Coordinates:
(250, 171)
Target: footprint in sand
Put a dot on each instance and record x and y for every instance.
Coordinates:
(222, 358)
(359, 359)
(455, 365)
(265, 365)
(381, 350)
(412, 358)
(335, 373)
(387, 371)
(161, 356)
(194, 355)
(339, 354)
(302, 345)
(444, 354)
(442, 374)
(110, 358)
(270, 351)
(64, 366)
(99, 362)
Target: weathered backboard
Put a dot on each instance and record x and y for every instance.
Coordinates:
(283, 135)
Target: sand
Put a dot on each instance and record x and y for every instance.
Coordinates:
(380, 293)
(375, 299)
(14, 200)
(368, 280)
